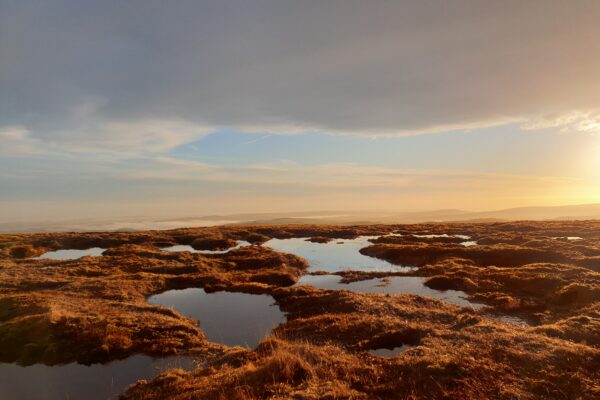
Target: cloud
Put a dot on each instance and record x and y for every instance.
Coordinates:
(327, 177)
(82, 131)
(67, 186)
(16, 140)
(577, 121)
(148, 135)
(148, 75)
(164, 169)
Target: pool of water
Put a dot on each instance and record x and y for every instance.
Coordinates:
(233, 319)
(442, 235)
(336, 255)
(182, 247)
(71, 254)
(387, 353)
(76, 381)
(466, 238)
(392, 285)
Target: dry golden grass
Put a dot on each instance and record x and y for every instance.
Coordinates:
(457, 355)
(94, 309)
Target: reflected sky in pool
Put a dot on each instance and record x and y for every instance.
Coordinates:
(185, 247)
(71, 254)
(390, 352)
(337, 255)
(395, 285)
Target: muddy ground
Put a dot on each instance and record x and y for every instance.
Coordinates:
(94, 309)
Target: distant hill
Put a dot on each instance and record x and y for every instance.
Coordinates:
(583, 211)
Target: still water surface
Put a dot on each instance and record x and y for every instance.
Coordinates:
(185, 247)
(392, 285)
(70, 254)
(336, 255)
(387, 353)
(76, 381)
(233, 319)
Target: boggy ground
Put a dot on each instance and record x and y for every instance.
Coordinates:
(322, 353)
(94, 309)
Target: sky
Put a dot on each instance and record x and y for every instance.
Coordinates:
(123, 108)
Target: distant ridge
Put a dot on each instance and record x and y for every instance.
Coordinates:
(570, 212)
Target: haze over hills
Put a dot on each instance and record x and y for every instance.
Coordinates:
(575, 212)
(583, 211)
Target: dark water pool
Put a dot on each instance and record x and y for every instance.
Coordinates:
(76, 381)
(233, 319)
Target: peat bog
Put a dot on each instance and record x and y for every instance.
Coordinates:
(495, 310)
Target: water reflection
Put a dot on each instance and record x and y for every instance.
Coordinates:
(77, 381)
(336, 255)
(233, 319)
(392, 285)
(181, 247)
(390, 352)
(71, 254)
(441, 235)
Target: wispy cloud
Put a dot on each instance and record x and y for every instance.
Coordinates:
(576, 121)
(258, 139)
(16, 140)
(334, 176)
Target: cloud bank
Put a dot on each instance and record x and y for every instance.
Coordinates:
(149, 75)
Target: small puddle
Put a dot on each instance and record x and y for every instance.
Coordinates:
(70, 254)
(77, 381)
(466, 238)
(182, 247)
(233, 319)
(392, 285)
(387, 353)
(442, 235)
(335, 255)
